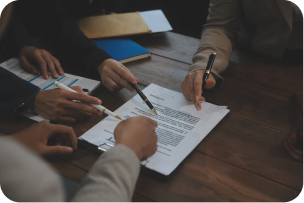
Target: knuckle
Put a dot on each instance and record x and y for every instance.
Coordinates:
(196, 82)
(105, 70)
(112, 63)
(82, 97)
(43, 64)
(113, 85)
(42, 51)
(36, 52)
(57, 111)
(59, 102)
(61, 93)
(77, 88)
(83, 106)
(55, 118)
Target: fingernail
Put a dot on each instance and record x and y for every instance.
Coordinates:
(98, 101)
(197, 98)
(134, 81)
(68, 150)
(197, 107)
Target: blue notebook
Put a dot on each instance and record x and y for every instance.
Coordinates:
(122, 49)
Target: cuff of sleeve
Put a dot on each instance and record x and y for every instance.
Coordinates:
(126, 152)
(199, 66)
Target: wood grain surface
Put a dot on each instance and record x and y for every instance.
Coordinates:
(242, 158)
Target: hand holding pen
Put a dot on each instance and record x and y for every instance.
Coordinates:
(114, 78)
(142, 95)
(99, 107)
(192, 86)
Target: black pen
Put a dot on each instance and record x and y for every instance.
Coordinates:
(208, 69)
(144, 98)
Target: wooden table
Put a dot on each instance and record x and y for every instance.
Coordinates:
(242, 159)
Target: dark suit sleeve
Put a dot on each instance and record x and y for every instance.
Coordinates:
(15, 39)
(14, 93)
(51, 19)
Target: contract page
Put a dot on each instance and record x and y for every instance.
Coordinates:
(180, 126)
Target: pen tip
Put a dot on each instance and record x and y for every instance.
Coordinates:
(154, 111)
(118, 117)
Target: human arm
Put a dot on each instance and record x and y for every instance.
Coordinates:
(19, 43)
(114, 174)
(24, 177)
(56, 104)
(61, 32)
(14, 93)
(219, 35)
(70, 44)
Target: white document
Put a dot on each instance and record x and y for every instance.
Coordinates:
(13, 66)
(180, 126)
(156, 20)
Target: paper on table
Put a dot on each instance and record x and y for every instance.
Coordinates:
(180, 127)
(13, 66)
(156, 20)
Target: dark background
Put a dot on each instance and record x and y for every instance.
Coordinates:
(186, 17)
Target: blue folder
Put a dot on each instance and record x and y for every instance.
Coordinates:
(122, 49)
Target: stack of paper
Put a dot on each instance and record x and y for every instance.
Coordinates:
(180, 126)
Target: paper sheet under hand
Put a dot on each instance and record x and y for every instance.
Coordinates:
(14, 67)
(180, 126)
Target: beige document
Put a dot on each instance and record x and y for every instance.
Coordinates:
(115, 25)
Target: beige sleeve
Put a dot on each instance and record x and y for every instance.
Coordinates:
(219, 35)
(112, 178)
(24, 177)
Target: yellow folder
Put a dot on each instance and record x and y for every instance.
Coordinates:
(114, 25)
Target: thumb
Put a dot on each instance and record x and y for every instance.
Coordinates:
(210, 83)
(58, 150)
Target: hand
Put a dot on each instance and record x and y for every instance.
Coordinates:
(57, 105)
(30, 55)
(114, 75)
(192, 87)
(36, 138)
(137, 133)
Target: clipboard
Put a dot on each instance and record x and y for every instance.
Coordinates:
(100, 150)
